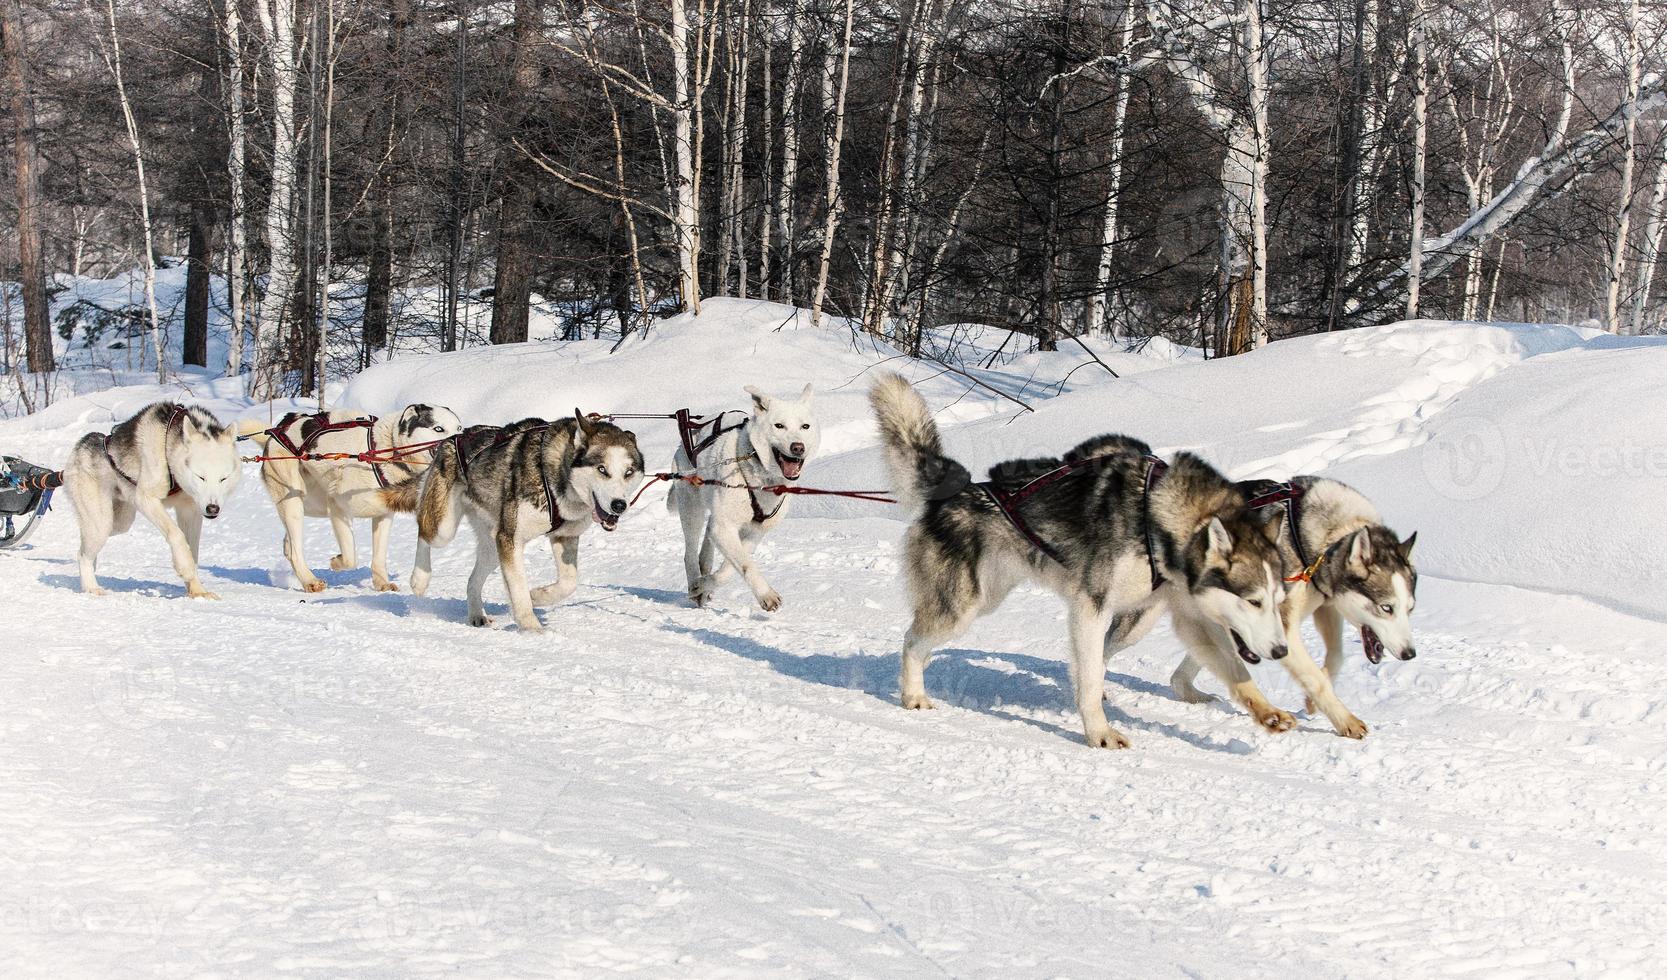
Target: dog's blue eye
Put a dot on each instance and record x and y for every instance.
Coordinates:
(439, 428)
(1387, 609)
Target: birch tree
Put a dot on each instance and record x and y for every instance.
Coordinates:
(1649, 254)
(111, 52)
(836, 140)
(1114, 181)
(1420, 151)
(37, 330)
(237, 250)
(277, 20)
(1629, 153)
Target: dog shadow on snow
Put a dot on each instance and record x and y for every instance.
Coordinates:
(976, 680)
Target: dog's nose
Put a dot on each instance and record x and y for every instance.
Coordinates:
(617, 506)
(1279, 652)
(1408, 653)
(211, 511)
(797, 449)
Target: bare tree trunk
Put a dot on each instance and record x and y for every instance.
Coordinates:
(454, 225)
(1349, 168)
(278, 23)
(199, 264)
(686, 215)
(1629, 151)
(1257, 71)
(766, 198)
(379, 278)
(37, 327)
(786, 196)
(237, 247)
(112, 55)
(836, 139)
(1650, 249)
(512, 287)
(321, 374)
(1114, 181)
(1420, 150)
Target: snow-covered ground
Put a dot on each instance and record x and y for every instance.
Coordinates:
(359, 784)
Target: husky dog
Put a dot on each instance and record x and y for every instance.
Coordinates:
(166, 458)
(344, 489)
(1110, 528)
(731, 510)
(523, 481)
(1345, 565)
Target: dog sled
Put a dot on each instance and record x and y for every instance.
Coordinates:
(25, 494)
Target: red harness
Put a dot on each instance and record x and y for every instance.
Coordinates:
(281, 436)
(1008, 501)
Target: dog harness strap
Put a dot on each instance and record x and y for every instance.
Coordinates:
(280, 432)
(1008, 503)
(173, 485)
(1289, 496)
(1155, 469)
(687, 427)
(758, 515)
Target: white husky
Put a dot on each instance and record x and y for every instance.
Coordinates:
(345, 489)
(732, 509)
(168, 458)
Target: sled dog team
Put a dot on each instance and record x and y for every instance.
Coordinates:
(1119, 533)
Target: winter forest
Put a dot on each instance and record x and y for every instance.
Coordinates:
(361, 177)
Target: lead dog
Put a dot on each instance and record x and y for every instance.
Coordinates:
(1347, 566)
(168, 458)
(731, 511)
(1110, 528)
(346, 489)
(520, 482)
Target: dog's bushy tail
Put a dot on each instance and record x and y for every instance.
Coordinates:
(913, 448)
(438, 484)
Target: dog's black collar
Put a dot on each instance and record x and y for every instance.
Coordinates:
(1155, 469)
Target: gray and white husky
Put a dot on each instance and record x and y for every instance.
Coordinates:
(167, 460)
(1348, 567)
(345, 489)
(730, 511)
(519, 482)
(1110, 528)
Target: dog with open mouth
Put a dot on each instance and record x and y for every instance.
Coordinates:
(732, 508)
(518, 482)
(1342, 564)
(1114, 530)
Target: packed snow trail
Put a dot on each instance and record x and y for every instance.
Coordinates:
(359, 784)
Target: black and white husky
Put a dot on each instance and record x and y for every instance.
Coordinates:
(343, 490)
(1112, 529)
(523, 481)
(1348, 567)
(731, 510)
(174, 464)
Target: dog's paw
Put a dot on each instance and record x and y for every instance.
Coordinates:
(1105, 738)
(342, 563)
(198, 592)
(384, 586)
(479, 619)
(549, 595)
(917, 702)
(419, 582)
(1274, 719)
(701, 592)
(313, 585)
(1351, 727)
(529, 625)
(770, 601)
(96, 590)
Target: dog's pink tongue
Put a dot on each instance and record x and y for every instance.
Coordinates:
(790, 468)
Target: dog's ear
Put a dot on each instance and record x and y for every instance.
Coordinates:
(586, 429)
(1406, 546)
(407, 420)
(1273, 525)
(805, 395)
(1360, 552)
(1220, 539)
(760, 401)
